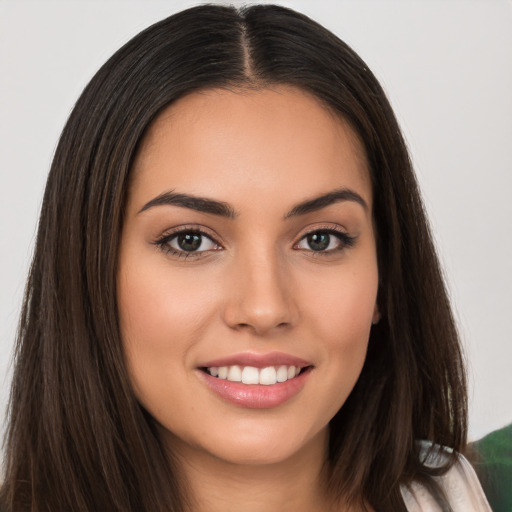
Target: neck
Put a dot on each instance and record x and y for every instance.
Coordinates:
(296, 484)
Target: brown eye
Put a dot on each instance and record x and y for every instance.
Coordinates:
(189, 241)
(318, 241)
(325, 241)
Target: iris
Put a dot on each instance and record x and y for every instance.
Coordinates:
(189, 241)
(318, 241)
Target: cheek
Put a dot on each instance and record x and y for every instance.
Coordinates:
(155, 305)
(342, 305)
(162, 316)
(341, 316)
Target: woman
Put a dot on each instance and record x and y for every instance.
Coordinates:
(235, 303)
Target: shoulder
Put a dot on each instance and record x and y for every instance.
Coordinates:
(459, 483)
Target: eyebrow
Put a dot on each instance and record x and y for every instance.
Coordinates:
(200, 204)
(317, 203)
(212, 206)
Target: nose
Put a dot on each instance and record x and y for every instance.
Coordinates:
(260, 298)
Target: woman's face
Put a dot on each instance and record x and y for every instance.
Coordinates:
(248, 253)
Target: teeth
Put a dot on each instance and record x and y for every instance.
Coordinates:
(282, 373)
(251, 375)
(235, 374)
(268, 376)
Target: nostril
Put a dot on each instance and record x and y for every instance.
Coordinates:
(242, 326)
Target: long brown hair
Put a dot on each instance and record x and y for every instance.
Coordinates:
(77, 438)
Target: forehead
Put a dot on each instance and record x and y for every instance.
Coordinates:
(211, 140)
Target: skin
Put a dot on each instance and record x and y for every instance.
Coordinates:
(258, 287)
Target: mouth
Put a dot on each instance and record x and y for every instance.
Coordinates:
(251, 375)
(256, 381)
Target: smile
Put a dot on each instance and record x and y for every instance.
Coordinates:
(256, 381)
(250, 375)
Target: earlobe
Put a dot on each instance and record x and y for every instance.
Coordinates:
(376, 315)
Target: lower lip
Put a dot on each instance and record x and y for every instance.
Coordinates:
(256, 396)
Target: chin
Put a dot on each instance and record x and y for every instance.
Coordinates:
(256, 452)
(256, 445)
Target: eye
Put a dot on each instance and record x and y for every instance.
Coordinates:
(325, 241)
(186, 243)
(191, 242)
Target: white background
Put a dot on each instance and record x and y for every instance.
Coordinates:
(447, 68)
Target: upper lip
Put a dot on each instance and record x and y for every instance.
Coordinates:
(257, 360)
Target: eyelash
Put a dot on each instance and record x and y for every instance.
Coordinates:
(346, 241)
(164, 242)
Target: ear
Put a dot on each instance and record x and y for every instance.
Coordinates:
(376, 315)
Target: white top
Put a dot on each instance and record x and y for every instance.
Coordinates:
(460, 485)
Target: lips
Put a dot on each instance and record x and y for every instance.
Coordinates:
(256, 380)
(258, 360)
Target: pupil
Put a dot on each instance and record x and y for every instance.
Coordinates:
(319, 241)
(189, 241)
